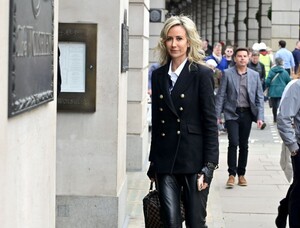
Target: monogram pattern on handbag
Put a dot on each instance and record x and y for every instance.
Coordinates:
(151, 207)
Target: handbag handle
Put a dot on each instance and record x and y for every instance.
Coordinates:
(151, 185)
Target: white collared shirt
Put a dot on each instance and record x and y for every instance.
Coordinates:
(174, 75)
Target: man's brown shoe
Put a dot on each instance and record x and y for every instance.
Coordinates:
(230, 182)
(242, 181)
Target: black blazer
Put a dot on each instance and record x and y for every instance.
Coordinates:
(184, 123)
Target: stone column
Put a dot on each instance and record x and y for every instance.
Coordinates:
(209, 22)
(223, 30)
(194, 9)
(137, 127)
(266, 23)
(252, 23)
(204, 20)
(230, 24)
(199, 18)
(241, 23)
(217, 22)
(27, 140)
(91, 147)
(155, 28)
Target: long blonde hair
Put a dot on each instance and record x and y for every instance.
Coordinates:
(194, 51)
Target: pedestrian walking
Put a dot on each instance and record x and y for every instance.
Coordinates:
(206, 47)
(296, 55)
(217, 59)
(264, 57)
(240, 97)
(184, 147)
(275, 83)
(289, 116)
(287, 57)
(219, 62)
(259, 67)
(228, 54)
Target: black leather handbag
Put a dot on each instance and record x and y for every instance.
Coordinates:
(151, 207)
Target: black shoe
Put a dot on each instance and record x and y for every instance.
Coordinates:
(280, 220)
(263, 126)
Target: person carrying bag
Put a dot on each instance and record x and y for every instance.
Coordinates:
(276, 81)
(184, 149)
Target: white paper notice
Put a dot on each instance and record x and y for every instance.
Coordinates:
(72, 66)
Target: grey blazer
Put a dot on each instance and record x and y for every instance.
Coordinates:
(226, 98)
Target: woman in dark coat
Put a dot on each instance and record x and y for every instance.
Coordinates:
(184, 145)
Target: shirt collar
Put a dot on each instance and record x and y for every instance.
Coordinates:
(243, 73)
(178, 70)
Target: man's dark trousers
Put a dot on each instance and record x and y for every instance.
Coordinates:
(238, 136)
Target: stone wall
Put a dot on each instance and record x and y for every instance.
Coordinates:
(91, 147)
(27, 150)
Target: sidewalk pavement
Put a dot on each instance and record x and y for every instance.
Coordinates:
(252, 206)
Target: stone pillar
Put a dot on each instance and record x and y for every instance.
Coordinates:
(154, 36)
(285, 23)
(266, 23)
(155, 28)
(199, 18)
(230, 21)
(204, 21)
(91, 147)
(194, 9)
(241, 23)
(252, 23)
(217, 22)
(137, 127)
(223, 14)
(27, 143)
(209, 22)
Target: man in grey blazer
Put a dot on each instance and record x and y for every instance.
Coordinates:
(240, 97)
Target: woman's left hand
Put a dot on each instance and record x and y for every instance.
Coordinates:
(200, 182)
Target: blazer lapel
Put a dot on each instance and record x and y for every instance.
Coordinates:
(250, 83)
(234, 82)
(183, 82)
(164, 86)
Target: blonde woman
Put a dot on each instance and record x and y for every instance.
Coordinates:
(184, 147)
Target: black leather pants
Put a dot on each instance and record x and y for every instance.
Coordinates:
(171, 189)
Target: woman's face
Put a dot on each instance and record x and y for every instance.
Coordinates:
(177, 43)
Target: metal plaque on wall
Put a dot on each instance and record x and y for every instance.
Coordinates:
(30, 55)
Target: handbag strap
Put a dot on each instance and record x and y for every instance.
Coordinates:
(274, 77)
(151, 186)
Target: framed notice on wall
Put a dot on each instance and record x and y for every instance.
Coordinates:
(30, 55)
(72, 65)
(78, 51)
